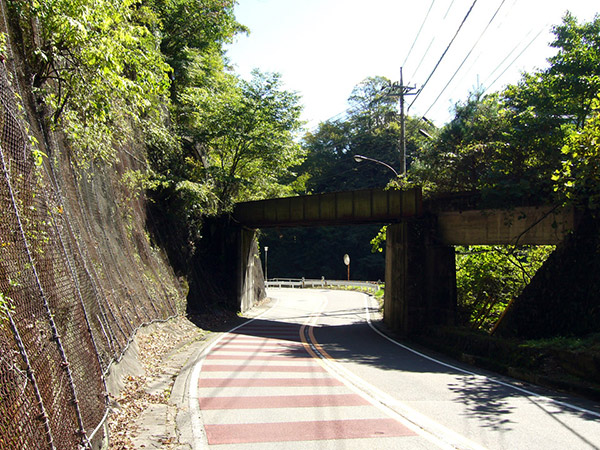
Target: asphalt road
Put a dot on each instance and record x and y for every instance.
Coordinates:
(312, 372)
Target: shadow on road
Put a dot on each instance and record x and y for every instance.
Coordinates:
(346, 337)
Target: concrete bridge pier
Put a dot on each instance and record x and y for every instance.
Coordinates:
(250, 286)
(420, 277)
(226, 268)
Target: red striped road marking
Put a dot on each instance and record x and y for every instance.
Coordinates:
(282, 401)
(254, 351)
(259, 368)
(254, 338)
(250, 346)
(250, 339)
(293, 352)
(268, 382)
(258, 357)
(305, 431)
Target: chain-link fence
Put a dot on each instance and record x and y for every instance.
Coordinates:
(78, 276)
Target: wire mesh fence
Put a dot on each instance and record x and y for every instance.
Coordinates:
(78, 276)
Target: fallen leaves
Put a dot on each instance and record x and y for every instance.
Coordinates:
(134, 398)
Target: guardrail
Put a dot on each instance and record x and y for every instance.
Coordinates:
(302, 283)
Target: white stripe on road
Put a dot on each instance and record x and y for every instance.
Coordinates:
(476, 375)
(425, 427)
(198, 434)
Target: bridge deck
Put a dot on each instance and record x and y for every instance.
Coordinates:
(336, 208)
(457, 223)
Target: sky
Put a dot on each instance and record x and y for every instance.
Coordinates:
(324, 48)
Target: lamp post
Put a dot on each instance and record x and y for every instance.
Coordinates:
(361, 158)
(266, 262)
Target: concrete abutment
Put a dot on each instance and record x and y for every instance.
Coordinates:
(420, 277)
(420, 258)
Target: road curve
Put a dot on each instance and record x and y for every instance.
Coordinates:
(312, 372)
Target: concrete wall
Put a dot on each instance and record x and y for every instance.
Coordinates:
(420, 278)
(533, 225)
(251, 283)
(226, 272)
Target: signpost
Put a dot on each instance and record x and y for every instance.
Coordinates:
(347, 262)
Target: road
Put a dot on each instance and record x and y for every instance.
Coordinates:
(312, 372)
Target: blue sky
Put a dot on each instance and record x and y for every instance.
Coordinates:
(323, 48)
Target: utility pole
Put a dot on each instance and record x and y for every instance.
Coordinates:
(401, 91)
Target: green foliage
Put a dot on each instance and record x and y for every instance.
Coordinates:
(242, 132)
(378, 242)
(466, 152)
(316, 252)
(96, 69)
(590, 343)
(508, 146)
(5, 303)
(371, 103)
(578, 181)
(488, 278)
(3, 46)
(199, 25)
(574, 75)
(372, 129)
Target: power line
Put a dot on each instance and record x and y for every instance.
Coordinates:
(466, 57)
(314, 128)
(517, 57)
(448, 10)
(498, 27)
(423, 58)
(418, 33)
(514, 49)
(443, 54)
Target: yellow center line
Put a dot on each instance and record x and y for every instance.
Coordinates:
(308, 346)
(421, 425)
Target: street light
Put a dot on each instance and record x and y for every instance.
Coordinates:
(360, 158)
(266, 262)
(426, 134)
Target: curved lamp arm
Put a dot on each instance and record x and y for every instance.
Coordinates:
(361, 158)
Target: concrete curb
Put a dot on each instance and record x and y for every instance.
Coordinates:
(159, 425)
(179, 398)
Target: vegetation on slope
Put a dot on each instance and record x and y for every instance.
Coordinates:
(105, 72)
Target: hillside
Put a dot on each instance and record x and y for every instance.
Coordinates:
(78, 276)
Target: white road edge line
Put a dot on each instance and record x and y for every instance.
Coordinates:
(198, 434)
(428, 429)
(467, 372)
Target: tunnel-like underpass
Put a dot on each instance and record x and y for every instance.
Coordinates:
(420, 272)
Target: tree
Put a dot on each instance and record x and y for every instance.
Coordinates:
(371, 128)
(490, 277)
(244, 134)
(371, 103)
(508, 145)
(578, 180)
(545, 107)
(95, 68)
(466, 153)
(202, 26)
(574, 73)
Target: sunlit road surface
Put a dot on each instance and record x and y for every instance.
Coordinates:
(311, 372)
